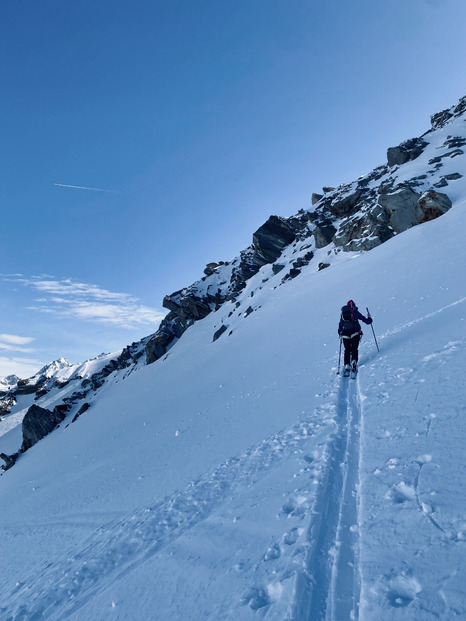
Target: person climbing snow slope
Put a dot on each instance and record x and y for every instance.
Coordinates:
(349, 330)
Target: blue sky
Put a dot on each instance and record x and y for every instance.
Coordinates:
(189, 123)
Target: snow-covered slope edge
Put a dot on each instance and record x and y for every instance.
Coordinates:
(220, 483)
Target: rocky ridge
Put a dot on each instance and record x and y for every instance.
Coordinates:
(357, 216)
(354, 217)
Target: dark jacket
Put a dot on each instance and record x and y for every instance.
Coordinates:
(348, 328)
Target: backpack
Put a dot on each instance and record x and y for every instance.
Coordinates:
(349, 322)
(347, 313)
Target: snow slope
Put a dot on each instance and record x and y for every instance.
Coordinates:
(244, 479)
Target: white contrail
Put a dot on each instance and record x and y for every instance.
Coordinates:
(80, 187)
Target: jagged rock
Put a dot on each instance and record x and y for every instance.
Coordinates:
(277, 268)
(179, 326)
(6, 404)
(272, 238)
(327, 188)
(362, 233)
(433, 204)
(451, 154)
(188, 304)
(302, 261)
(402, 208)
(157, 346)
(82, 409)
(37, 423)
(379, 214)
(407, 151)
(440, 118)
(323, 233)
(454, 142)
(223, 328)
(315, 198)
(291, 274)
(60, 411)
(344, 206)
(397, 156)
(210, 268)
(25, 387)
(9, 460)
(323, 266)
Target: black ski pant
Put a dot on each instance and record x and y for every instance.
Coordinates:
(351, 344)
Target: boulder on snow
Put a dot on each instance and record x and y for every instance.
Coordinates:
(402, 209)
(223, 328)
(9, 460)
(433, 204)
(407, 151)
(407, 208)
(315, 198)
(37, 423)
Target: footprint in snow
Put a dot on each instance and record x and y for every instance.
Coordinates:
(291, 537)
(401, 492)
(256, 598)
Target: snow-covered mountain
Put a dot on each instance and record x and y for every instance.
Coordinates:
(237, 476)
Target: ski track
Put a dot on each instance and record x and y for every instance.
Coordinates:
(117, 548)
(329, 587)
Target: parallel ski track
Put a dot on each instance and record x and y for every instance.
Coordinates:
(116, 549)
(328, 590)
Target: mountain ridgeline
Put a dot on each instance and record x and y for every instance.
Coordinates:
(414, 186)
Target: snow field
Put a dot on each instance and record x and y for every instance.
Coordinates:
(243, 479)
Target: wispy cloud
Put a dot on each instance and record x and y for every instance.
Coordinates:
(88, 302)
(22, 367)
(13, 342)
(82, 187)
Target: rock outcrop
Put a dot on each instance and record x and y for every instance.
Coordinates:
(272, 238)
(433, 205)
(38, 423)
(406, 151)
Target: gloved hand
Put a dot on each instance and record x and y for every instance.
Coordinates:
(369, 319)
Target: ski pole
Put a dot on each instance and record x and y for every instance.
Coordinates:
(339, 358)
(376, 344)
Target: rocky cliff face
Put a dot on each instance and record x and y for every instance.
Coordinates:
(410, 188)
(355, 217)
